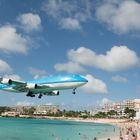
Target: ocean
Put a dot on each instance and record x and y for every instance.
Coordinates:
(39, 129)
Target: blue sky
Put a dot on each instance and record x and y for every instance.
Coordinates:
(96, 39)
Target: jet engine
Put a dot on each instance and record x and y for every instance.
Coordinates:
(52, 93)
(56, 92)
(6, 81)
(31, 85)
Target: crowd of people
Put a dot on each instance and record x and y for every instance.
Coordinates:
(125, 134)
(130, 134)
(128, 131)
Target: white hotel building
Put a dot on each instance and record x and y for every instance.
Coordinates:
(120, 106)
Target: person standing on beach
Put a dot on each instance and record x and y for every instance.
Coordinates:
(131, 134)
(95, 138)
(121, 138)
(126, 137)
(133, 137)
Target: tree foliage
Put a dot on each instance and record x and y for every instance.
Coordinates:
(4, 109)
(130, 112)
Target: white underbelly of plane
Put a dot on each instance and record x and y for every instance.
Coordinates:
(67, 85)
(59, 86)
(51, 87)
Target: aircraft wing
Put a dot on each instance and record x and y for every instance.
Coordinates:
(16, 84)
(8, 81)
(23, 86)
(26, 86)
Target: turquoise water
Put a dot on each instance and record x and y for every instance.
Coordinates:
(32, 129)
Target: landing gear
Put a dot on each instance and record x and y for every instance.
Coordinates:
(40, 95)
(74, 92)
(30, 94)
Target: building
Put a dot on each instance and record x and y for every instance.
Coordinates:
(21, 109)
(45, 109)
(137, 115)
(38, 110)
(10, 114)
(137, 104)
(120, 106)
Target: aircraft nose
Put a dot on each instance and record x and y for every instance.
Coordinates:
(78, 78)
(83, 80)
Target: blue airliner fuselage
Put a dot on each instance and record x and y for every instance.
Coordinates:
(48, 86)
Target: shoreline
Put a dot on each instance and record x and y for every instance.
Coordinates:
(94, 120)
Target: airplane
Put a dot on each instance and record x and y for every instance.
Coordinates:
(46, 86)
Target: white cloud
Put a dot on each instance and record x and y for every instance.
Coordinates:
(4, 67)
(111, 61)
(37, 73)
(69, 23)
(69, 14)
(24, 103)
(119, 79)
(57, 8)
(30, 21)
(70, 67)
(120, 16)
(11, 41)
(94, 85)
